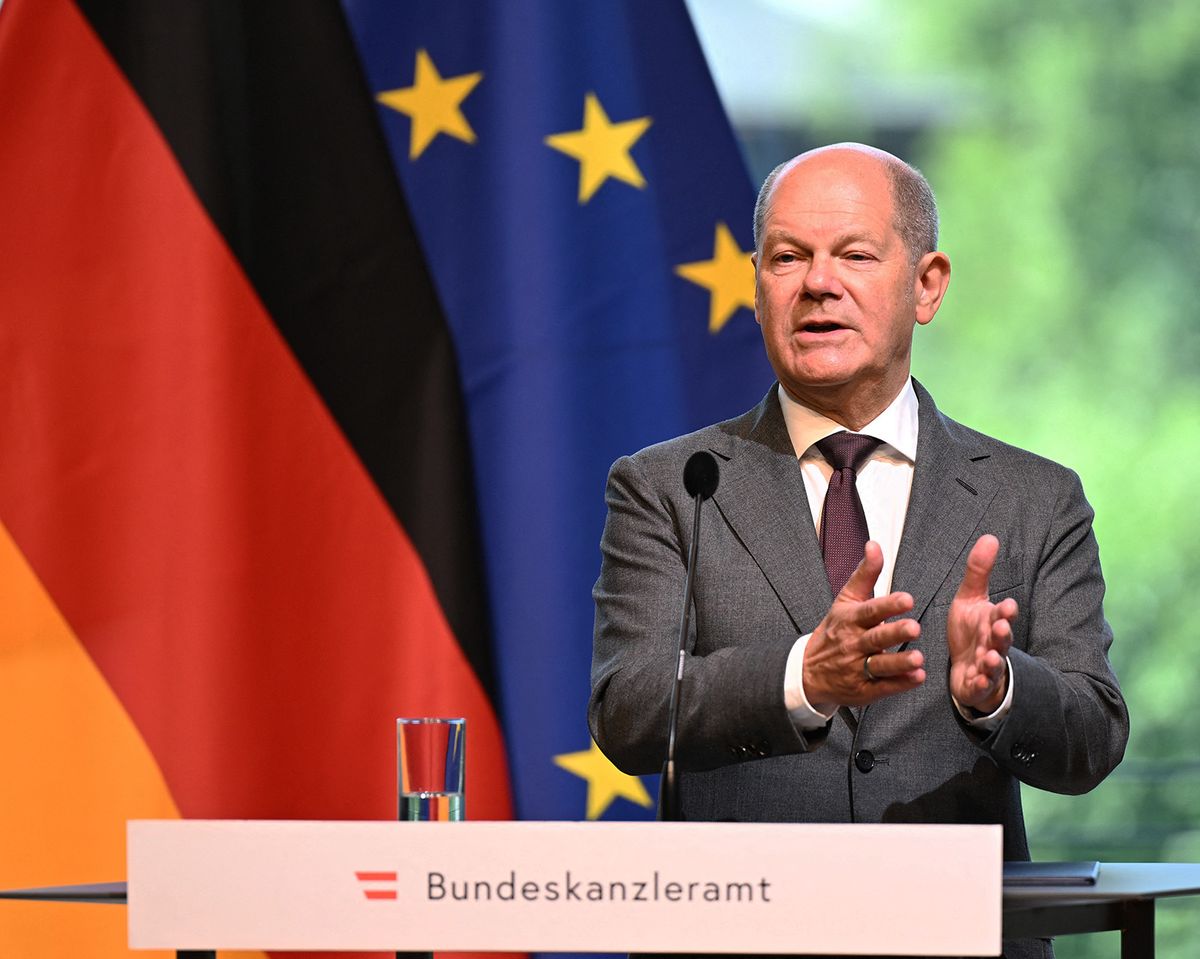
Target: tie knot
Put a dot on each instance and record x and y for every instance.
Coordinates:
(847, 450)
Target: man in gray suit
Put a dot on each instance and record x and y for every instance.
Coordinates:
(966, 654)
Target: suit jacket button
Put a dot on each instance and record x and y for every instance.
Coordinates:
(864, 759)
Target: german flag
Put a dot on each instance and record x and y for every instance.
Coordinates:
(237, 527)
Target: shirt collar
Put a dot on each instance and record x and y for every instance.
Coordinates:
(896, 425)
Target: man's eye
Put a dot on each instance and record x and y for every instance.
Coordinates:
(858, 257)
(785, 258)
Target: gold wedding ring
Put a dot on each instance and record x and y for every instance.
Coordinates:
(871, 677)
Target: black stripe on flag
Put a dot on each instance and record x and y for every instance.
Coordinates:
(266, 108)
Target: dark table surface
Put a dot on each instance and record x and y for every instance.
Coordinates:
(1117, 880)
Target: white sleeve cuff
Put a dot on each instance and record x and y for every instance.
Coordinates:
(992, 720)
(804, 715)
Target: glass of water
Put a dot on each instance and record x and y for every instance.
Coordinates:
(432, 764)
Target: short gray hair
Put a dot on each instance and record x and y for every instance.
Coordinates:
(915, 208)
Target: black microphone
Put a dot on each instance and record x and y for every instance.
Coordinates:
(700, 478)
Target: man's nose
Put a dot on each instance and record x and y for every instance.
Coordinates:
(821, 280)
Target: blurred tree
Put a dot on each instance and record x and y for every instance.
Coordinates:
(1068, 183)
(1063, 141)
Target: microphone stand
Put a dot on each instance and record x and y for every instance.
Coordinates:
(700, 478)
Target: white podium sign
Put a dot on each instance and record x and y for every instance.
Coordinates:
(565, 887)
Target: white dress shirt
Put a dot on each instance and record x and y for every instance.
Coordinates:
(884, 484)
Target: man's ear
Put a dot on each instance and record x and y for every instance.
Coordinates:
(929, 284)
(753, 263)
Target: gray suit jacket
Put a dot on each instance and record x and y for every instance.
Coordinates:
(761, 583)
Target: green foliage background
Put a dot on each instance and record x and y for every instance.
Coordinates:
(1064, 146)
(1071, 199)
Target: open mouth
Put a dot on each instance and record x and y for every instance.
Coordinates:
(818, 326)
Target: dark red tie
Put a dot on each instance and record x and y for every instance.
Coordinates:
(843, 522)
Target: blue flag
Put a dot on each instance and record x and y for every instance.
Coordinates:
(586, 216)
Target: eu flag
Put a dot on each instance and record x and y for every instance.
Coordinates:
(585, 213)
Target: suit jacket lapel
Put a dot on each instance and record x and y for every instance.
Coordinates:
(761, 496)
(950, 494)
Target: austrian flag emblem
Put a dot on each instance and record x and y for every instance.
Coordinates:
(375, 890)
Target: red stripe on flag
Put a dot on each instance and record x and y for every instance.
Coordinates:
(375, 876)
(381, 893)
(177, 484)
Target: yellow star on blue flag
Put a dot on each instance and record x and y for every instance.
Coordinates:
(605, 782)
(434, 103)
(602, 148)
(728, 277)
